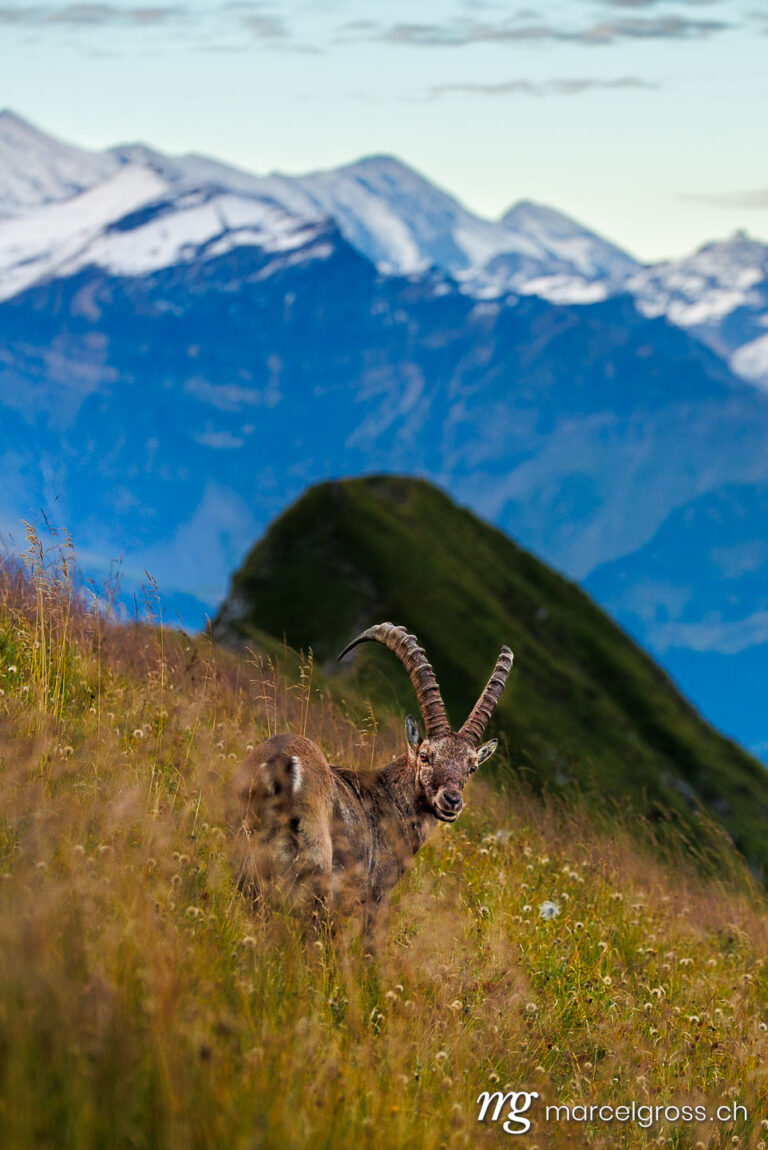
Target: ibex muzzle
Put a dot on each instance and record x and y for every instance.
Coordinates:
(335, 831)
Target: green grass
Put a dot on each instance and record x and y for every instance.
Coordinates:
(144, 1004)
(585, 708)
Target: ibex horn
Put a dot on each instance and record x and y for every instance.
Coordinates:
(485, 706)
(422, 677)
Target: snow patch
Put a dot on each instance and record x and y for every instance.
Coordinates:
(36, 169)
(751, 361)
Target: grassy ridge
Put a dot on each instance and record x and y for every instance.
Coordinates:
(584, 704)
(142, 1004)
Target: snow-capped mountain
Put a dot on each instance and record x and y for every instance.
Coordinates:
(133, 224)
(63, 207)
(37, 169)
(720, 294)
(386, 210)
(405, 225)
(583, 267)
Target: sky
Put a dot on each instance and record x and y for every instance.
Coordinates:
(644, 119)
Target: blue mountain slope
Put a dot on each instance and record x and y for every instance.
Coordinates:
(697, 594)
(557, 419)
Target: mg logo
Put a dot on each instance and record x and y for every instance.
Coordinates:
(516, 1102)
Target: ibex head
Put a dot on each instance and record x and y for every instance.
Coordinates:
(444, 759)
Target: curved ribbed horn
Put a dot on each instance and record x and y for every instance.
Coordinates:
(486, 704)
(422, 677)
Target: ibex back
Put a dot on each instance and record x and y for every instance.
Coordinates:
(342, 835)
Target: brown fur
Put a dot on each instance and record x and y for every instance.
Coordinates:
(342, 836)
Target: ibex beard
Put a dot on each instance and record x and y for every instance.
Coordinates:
(332, 838)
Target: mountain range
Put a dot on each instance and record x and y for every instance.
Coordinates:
(69, 198)
(184, 347)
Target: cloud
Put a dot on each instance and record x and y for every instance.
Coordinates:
(569, 87)
(749, 199)
(266, 27)
(727, 637)
(260, 20)
(634, 4)
(90, 15)
(462, 32)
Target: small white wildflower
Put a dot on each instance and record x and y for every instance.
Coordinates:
(12, 668)
(138, 733)
(531, 1007)
(549, 909)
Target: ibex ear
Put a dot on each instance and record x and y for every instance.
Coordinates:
(486, 751)
(412, 732)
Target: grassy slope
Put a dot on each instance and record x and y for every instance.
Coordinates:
(142, 1004)
(584, 703)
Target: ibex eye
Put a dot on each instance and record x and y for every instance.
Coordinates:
(424, 757)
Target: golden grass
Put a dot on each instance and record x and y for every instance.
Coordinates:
(143, 1004)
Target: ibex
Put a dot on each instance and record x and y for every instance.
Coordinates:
(336, 832)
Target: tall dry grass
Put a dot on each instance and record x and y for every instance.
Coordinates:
(144, 1004)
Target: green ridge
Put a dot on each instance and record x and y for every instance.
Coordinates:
(585, 708)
